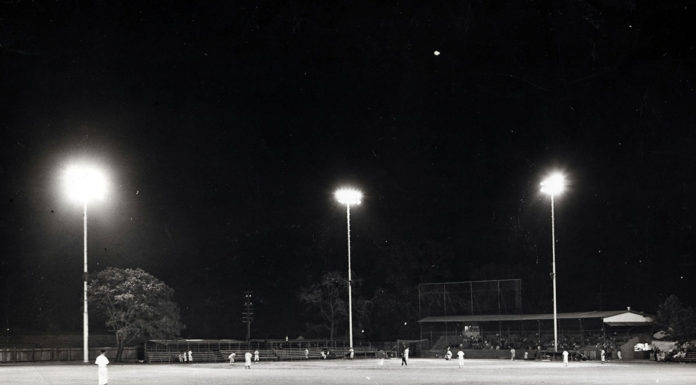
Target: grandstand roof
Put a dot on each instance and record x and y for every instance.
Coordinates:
(610, 317)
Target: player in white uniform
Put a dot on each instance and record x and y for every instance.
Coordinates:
(102, 361)
(460, 358)
(565, 357)
(256, 356)
(231, 357)
(247, 360)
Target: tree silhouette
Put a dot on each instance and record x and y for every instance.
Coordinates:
(136, 305)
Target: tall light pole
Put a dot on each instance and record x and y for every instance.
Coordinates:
(84, 183)
(349, 196)
(248, 313)
(553, 185)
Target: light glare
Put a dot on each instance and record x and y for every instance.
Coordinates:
(84, 183)
(348, 196)
(554, 184)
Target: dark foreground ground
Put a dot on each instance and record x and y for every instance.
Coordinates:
(419, 371)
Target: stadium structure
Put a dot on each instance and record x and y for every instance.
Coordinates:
(486, 319)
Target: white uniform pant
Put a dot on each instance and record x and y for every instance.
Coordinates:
(103, 376)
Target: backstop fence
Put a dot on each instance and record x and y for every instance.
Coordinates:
(501, 296)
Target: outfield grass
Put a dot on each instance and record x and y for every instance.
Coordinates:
(419, 371)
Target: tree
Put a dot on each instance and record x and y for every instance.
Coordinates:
(677, 320)
(327, 297)
(136, 305)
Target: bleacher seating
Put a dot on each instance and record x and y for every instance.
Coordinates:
(206, 356)
(690, 357)
(239, 355)
(161, 357)
(290, 354)
(315, 353)
(272, 354)
(364, 352)
(264, 354)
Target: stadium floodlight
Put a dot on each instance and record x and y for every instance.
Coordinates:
(84, 183)
(349, 196)
(553, 185)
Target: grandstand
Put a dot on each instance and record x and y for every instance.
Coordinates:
(487, 315)
(585, 332)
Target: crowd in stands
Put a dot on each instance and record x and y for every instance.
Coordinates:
(683, 351)
(497, 342)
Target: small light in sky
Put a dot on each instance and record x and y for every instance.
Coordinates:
(436, 53)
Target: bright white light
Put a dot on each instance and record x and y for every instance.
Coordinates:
(554, 184)
(348, 196)
(84, 183)
(436, 53)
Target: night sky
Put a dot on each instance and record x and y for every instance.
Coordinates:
(226, 127)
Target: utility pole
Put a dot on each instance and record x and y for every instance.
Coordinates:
(248, 313)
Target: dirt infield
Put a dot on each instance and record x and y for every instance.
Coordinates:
(419, 371)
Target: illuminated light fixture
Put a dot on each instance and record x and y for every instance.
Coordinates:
(84, 183)
(348, 196)
(554, 184)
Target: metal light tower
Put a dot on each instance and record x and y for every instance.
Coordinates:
(248, 313)
(552, 186)
(85, 183)
(349, 196)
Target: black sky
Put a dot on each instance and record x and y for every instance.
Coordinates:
(227, 126)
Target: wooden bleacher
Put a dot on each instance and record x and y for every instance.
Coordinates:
(206, 356)
(291, 354)
(690, 357)
(314, 353)
(161, 357)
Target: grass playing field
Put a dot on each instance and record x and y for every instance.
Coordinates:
(419, 371)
